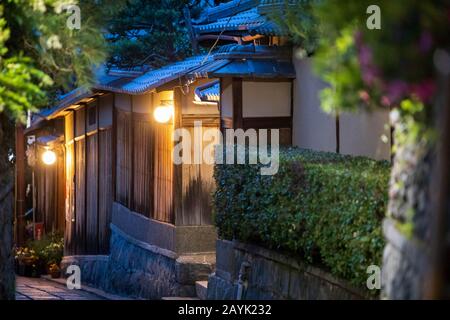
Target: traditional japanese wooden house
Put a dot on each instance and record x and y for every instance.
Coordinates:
(117, 181)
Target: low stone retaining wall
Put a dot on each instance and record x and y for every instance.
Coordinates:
(138, 269)
(271, 275)
(179, 239)
(93, 268)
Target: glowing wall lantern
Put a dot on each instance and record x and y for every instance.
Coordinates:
(164, 112)
(49, 157)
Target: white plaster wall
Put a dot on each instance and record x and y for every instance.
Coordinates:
(312, 128)
(226, 102)
(361, 134)
(266, 99)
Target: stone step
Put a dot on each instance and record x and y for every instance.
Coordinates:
(180, 298)
(201, 288)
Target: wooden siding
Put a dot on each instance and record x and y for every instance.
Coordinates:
(39, 176)
(80, 199)
(144, 148)
(197, 184)
(105, 195)
(143, 166)
(123, 163)
(91, 194)
(163, 172)
(60, 193)
(88, 180)
(69, 244)
(193, 183)
(49, 192)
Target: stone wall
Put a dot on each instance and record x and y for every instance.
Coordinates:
(138, 269)
(408, 222)
(271, 275)
(93, 268)
(175, 238)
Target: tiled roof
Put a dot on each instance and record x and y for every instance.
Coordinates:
(268, 28)
(248, 61)
(229, 60)
(242, 21)
(239, 16)
(255, 68)
(267, 6)
(102, 77)
(65, 101)
(225, 10)
(209, 91)
(126, 82)
(157, 77)
(202, 71)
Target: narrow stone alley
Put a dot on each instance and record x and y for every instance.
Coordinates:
(42, 289)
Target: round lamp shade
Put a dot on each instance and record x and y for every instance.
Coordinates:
(49, 157)
(163, 114)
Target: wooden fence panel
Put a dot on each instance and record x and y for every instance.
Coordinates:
(49, 216)
(69, 245)
(91, 194)
(163, 171)
(105, 189)
(60, 193)
(80, 194)
(40, 191)
(196, 189)
(123, 163)
(143, 167)
(88, 189)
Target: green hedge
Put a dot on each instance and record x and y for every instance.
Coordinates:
(324, 207)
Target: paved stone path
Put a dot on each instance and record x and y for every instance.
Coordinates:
(41, 289)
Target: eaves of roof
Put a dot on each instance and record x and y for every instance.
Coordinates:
(232, 60)
(256, 68)
(225, 10)
(242, 21)
(209, 92)
(127, 85)
(155, 78)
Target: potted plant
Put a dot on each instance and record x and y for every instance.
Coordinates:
(55, 271)
(49, 250)
(26, 262)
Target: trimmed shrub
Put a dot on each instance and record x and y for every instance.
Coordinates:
(325, 207)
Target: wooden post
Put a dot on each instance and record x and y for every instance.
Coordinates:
(20, 184)
(177, 193)
(237, 103)
(114, 148)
